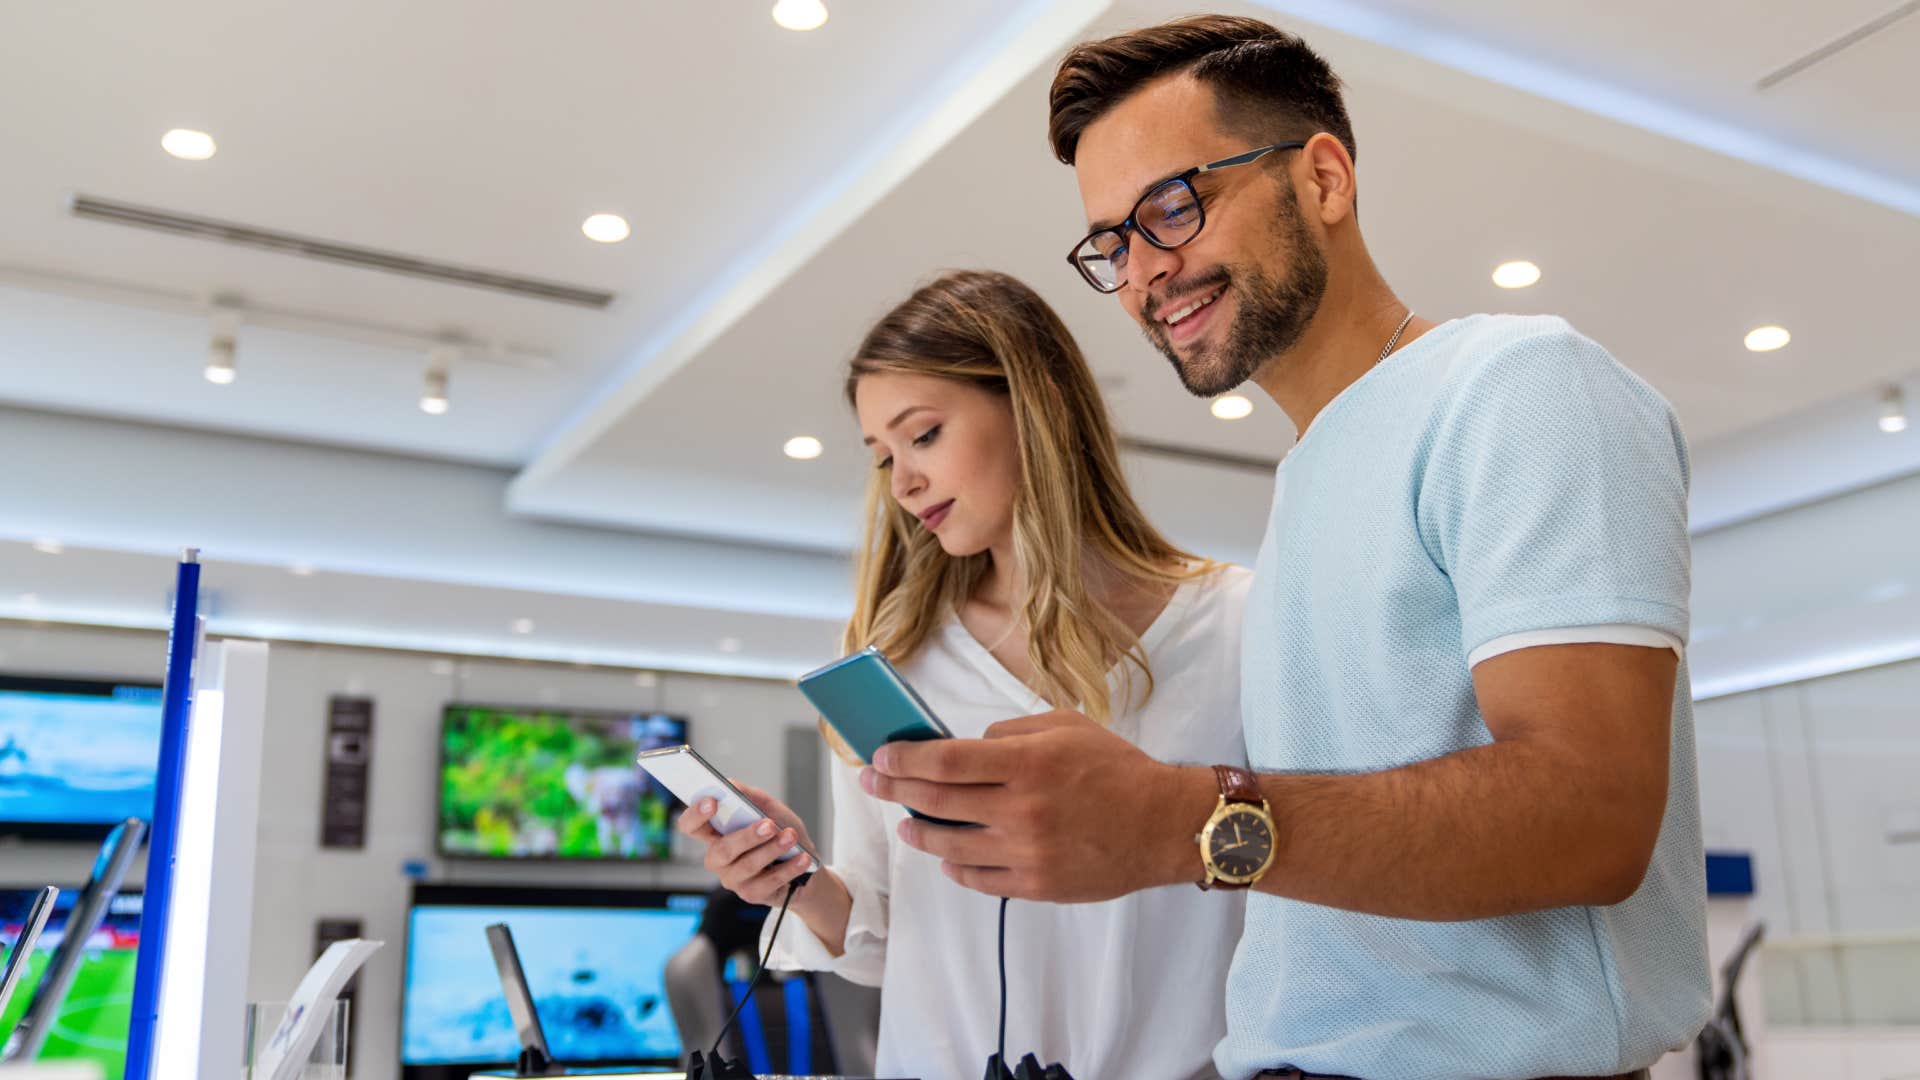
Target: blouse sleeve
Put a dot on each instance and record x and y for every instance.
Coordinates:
(861, 858)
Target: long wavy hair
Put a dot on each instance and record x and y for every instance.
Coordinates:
(1072, 513)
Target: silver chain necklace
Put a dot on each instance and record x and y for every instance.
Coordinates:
(1395, 339)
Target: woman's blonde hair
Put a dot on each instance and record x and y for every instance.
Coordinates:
(1072, 503)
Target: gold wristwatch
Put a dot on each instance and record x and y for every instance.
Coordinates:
(1236, 843)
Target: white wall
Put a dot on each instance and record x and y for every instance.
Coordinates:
(736, 722)
(1820, 781)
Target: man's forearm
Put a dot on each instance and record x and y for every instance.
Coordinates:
(1494, 830)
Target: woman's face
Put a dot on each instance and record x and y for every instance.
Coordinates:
(950, 452)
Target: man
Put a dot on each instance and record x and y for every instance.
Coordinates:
(1475, 844)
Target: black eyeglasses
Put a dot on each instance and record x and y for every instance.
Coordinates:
(1167, 216)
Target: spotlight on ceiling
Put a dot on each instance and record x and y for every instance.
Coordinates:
(606, 228)
(223, 346)
(1767, 338)
(800, 14)
(433, 393)
(1232, 407)
(1893, 410)
(1515, 275)
(188, 144)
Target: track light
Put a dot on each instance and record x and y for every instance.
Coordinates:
(221, 350)
(433, 396)
(1893, 410)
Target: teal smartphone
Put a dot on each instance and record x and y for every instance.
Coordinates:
(869, 704)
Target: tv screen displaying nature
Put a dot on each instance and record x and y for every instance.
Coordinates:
(521, 783)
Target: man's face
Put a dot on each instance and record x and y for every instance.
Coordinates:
(1256, 270)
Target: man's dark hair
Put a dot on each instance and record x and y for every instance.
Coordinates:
(1266, 82)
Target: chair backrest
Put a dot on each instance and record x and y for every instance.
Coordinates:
(853, 1022)
(700, 1003)
(698, 998)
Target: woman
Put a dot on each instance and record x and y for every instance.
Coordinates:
(1007, 570)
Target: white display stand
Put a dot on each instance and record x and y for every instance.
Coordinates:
(203, 988)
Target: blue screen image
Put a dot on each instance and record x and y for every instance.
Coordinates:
(78, 757)
(597, 976)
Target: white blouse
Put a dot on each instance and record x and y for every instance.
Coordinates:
(1132, 987)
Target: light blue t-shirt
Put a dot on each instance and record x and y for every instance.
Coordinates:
(1498, 475)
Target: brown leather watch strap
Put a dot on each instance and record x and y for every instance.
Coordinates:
(1237, 784)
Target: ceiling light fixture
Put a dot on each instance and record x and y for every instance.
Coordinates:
(433, 395)
(188, 144)
(1767, 338)
(1232, 407)
(729, 644)
(219, 369)
(802, 448)
(224, 344)
(301, 569)
(1515, 275)
(1893, 410)
(800, 14)
(523, 626)
(606, 228)
(47, 545)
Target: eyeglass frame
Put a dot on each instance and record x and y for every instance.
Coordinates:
(1185, 180)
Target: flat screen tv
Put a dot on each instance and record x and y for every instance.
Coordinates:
(595, 963)
(535, 783)
(77, 757)
(92, 1023)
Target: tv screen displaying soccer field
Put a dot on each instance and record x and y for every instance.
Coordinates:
(92, 1023)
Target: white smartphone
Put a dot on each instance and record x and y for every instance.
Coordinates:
(684, 772)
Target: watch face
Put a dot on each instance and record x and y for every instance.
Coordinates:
(1240, 844)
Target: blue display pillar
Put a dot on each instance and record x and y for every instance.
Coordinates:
(176, 704)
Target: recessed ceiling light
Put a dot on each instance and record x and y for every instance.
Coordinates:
(1232, 407)
(1515, 275)
(188, 144)
(800, 14)
(301, 569)
(729, 644)
(802, 448)
(606, 228)
(47, 545)
(1893, 411)
(1767, 338)
(523, 626)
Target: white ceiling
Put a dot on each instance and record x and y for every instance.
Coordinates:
(786, 188)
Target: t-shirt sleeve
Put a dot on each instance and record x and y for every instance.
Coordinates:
(861, 857)
(1555, 494)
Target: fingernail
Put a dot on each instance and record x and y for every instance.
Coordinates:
(707, 806)
(766, 828)
(881, 758)
(868, 778)
(788, 837)
(904, 830)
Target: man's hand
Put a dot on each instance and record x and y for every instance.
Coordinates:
(1068, 811)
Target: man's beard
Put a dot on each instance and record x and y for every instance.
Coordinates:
(1271, 313)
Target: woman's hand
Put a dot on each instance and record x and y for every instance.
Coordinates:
(744, 859)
